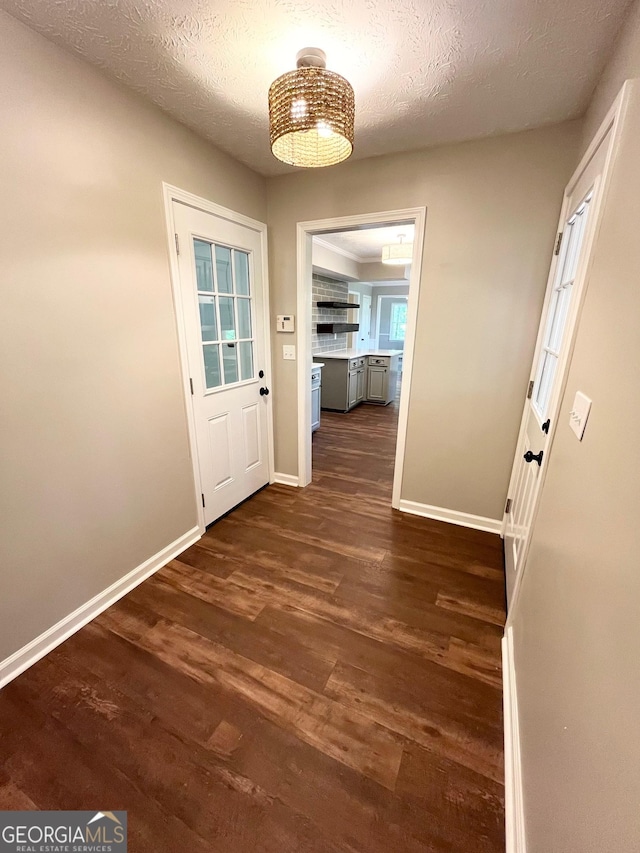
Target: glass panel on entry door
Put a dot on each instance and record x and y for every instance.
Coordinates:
(225, 307)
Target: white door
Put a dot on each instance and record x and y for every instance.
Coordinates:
(364, 319)
(550, 364)
(221, 288)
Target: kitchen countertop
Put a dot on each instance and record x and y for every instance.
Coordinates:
(317, 364)
(357, 353)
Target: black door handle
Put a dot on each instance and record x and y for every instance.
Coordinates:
(546, 425)
(264, 392)
(531, 457)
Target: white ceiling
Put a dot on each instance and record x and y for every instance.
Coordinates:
(366, 244)
(424, 71)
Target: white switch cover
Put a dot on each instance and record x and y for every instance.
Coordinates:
(579, 414)
(289, 352)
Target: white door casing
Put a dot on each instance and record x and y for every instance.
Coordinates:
(579, 221)
(361, 316)
(221, 299)
(363, 335)
(304, 235)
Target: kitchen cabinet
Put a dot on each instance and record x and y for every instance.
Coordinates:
(377, 384)
(350, 377)
(316, 386)
(343, 383)
(361, 391)
(382, 378)
(352, 394)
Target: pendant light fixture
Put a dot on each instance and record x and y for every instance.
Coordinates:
(397, 253)
(311, 113)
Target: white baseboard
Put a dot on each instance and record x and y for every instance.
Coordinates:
(452, 516)
(25, 657)
(285, 479)
(513, 799)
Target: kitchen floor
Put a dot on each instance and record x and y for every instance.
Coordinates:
(319, 673)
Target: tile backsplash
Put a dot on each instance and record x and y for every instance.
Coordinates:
(325, 289)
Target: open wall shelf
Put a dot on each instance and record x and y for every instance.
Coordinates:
(332, 328)
(338, 305)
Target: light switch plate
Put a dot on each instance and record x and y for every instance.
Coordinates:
(289, 352)
(579, 414)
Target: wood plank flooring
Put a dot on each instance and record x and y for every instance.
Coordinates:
(318, 674)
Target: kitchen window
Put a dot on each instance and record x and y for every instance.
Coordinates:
(398, 324)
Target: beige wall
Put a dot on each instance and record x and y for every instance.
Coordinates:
(623, 65)
(492, 208)
(95, 470)
(576, 623)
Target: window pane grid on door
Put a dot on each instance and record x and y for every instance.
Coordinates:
(577, 223)
(544, 383)
(558, 311)
(560, 318)
(225, 307)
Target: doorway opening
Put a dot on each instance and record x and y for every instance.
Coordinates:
(365, 350)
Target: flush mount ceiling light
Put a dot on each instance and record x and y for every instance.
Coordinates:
(397, 253)
(311, 112)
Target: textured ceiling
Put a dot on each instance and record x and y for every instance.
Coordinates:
(424, 71)
(366, 244)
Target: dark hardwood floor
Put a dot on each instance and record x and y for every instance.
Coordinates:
(318, 674)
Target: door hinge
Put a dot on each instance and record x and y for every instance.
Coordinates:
(202, 499)
(507, 508)
(178, 244)
(556, 251)
(191, 385)
(530, 390)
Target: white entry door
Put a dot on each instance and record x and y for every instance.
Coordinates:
(221, 288)
(555, 336)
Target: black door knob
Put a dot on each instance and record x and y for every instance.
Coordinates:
(546, 425)
(264, 392)
(533, 457)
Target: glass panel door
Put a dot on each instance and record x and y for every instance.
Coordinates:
(225, 304)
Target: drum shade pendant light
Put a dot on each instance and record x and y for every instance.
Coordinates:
(397, 253)
(311, 113)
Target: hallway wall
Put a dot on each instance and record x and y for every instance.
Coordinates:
(623, 65)
(492, 208)
(576, 626)
(94, 459)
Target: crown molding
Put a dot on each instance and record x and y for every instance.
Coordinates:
(345, 254)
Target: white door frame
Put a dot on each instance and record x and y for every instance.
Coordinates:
(304, 235)
(364, 296)
(612, 122)
(356, 319)
(171, 194)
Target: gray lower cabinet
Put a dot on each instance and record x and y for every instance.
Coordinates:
(382, 378)
(343, 383)
(352, 385)
(346, 382)
(377, 384)
(315, 398)
(361, 386)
